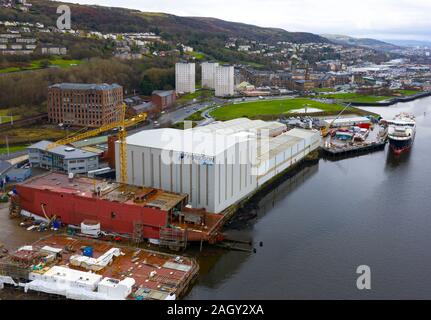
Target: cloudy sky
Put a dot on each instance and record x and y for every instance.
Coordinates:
(381, 19)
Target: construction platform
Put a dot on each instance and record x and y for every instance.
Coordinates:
(61, 265)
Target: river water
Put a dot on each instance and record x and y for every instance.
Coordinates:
(319, 227)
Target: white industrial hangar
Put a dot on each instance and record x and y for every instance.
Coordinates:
(216, 165)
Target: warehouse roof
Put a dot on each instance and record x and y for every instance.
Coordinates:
(65, 151)
(188, 141)
(346, 119)
(301, 133)
(163, 93)
(240, 125)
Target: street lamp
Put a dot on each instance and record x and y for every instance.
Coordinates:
(305, 107)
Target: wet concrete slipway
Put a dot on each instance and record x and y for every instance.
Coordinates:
(319, 226)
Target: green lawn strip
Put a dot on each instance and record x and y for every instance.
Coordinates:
(6, 112)
(37, 64)
(64, 63)
(25, 135)
(270, 107)
(355, 97)
(3, 149)
(318, 90)
(197, 116)
(10, 69)
(198, 95)
(408, 92)
(197, 55)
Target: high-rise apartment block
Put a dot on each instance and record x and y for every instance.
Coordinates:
(224, 81)
(208, 74)
(185, 77)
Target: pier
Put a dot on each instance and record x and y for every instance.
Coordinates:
(347, 150)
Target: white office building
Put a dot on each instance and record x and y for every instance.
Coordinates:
(185, 77)
(216, 165)
(208, 74)
(62, 158)
(224, 81)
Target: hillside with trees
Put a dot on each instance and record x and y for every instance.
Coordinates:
(28, 89)
(171, 27)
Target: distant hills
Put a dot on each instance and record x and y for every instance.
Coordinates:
(411, 43)
(117, 20)
(361, 42)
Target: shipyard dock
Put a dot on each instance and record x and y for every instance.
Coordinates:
(87, 269)
(347, 150)
(354, 136)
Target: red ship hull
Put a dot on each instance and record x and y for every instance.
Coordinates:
(120, 210)
(74, 209)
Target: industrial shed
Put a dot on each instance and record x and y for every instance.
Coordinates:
(217, 165)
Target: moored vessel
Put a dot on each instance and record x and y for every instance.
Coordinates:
(401, 132)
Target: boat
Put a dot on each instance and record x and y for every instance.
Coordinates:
(343, 135)
(401, 132)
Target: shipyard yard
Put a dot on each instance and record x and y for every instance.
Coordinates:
(318, 225)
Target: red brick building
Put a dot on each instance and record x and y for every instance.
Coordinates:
(89, 105)
(163, 99)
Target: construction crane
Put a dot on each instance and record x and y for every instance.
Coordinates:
(325, 130)
(121, 124)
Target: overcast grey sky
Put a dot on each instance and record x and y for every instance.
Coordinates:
(382, 19)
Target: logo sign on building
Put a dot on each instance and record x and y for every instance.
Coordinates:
(64, 20)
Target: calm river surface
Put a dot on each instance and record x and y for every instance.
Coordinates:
(319, 227)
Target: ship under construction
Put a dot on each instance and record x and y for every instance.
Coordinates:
(139, 213)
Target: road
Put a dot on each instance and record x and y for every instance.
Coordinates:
(177, 115)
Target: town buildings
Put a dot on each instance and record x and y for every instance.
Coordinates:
(53, 50)
(90, 105)
(163, 98)
(185, 77)
(224, 81)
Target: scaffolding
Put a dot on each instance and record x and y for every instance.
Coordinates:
(173, 238)
(14, 207)
(16, 270)
(137, 235)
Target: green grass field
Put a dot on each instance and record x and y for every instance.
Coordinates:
(269, 107)
(198, 95)
(197, 55)
(24, 135)
(3, 149)
(6, 112)
(355, 97)
(38, 64)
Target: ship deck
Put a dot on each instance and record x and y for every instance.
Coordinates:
(173, 274)
(106, 190)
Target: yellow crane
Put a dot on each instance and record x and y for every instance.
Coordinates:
(121, 124)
